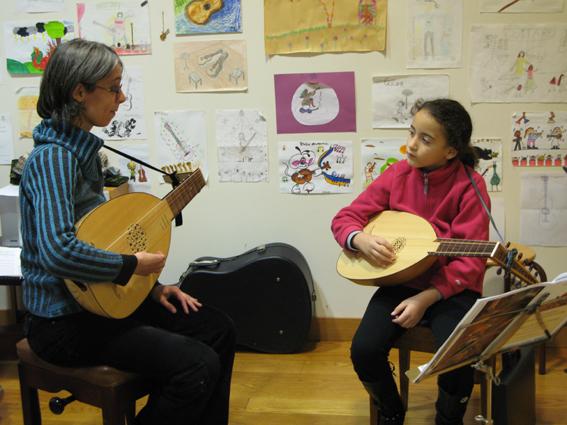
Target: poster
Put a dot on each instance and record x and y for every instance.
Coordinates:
(319, 26)
(203, 66)
(207, 16)
(539, 139)
(28, 45)
(435, 33)
(242, 145)
(518, 63)
(315, 167)
(315, 103)
(124, 25)
(393, 97)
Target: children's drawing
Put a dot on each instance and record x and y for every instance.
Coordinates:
(29, 45)
(393, 97)
(435, 29)
(202, 66)
(207, 16)
(543, 214)
(124, 25)
(489, 153)
(318, 102)
(521, 6)
(129, 122)
(27, 111)
(376, 155)
(518, 63)
(242, 145)
(40, 6)
(139, 178)
(182, 137)
(315, 167)
(539, 139)
(319, 26)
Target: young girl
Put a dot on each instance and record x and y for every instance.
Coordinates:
(185, 348)
(432, 183)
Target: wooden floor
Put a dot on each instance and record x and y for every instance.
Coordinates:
(317, 387)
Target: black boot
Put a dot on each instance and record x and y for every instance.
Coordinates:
(450, 409)
(388, 401)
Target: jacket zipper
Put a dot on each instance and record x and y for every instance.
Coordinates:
(425, 183)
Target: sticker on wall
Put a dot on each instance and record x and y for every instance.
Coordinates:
(539, 139)
(207, 16)
(124, 25)
(315, 167)
(319, 26)
(489, 153)
(393, 97)
(315, 103)
(29, 45)
(376, 155)
(203, 66)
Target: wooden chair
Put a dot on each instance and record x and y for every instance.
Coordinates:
(112, 390)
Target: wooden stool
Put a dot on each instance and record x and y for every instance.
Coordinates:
(112, 390)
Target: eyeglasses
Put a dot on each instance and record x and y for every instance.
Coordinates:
(116, 90)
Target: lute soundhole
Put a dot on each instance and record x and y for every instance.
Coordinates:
(137, 238)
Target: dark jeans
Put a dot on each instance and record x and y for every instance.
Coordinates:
(376, 333)
(189, 357)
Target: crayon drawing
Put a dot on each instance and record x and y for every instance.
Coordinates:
(207, 16)
(489, 153)
(376, 155)
(27, 111)
(124, 25)
(28, 46)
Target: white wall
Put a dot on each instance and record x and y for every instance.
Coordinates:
(228, 218)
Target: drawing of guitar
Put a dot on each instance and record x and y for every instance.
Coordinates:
(200, 11)
(416, 246)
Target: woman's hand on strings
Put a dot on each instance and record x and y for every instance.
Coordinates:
(375, 249)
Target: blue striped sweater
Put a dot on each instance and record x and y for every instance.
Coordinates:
(61, 182)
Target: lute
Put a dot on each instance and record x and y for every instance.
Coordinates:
(417, 246)
(129, 224)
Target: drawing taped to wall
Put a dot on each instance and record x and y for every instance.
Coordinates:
(315, 167)
(242, 145)
(435, 29)
(518, 63)
(29, 45)
(203, 66)
(393, 97)
(27, 111)
(317, 102)
(489, 153)
(181, 137)
(522, 6)
(376, 155)
(124, 25)
(319, 26)
(207, 16)
(129, 122)
(539, 139)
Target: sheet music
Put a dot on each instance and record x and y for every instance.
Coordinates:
(10, 261)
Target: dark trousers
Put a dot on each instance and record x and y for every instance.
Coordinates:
(376, 333)
(189, 357)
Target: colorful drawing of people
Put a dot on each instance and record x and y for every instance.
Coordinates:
(517, 140)
(555, 136)
(531, 136)
(369, 173)
(520, 64)
(530, 83)
(366, 12)
(307, 102)
(119, 38)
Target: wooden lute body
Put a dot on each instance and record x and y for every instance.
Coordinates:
(129, 224)
(417, 246)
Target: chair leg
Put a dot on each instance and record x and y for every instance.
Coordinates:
(542, 359)
(30, 400)
(404, 361)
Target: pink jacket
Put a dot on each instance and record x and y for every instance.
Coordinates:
(446, 198)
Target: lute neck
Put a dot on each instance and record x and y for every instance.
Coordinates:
(465, 248)
(180, 196)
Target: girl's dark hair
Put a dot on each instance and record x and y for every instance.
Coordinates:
(456, 123)
(75, 62)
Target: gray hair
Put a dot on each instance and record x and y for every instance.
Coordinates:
(75, 62)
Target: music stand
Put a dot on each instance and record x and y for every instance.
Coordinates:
(498, 324)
